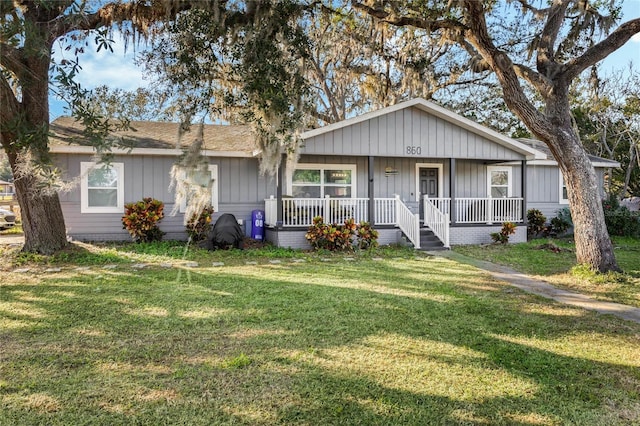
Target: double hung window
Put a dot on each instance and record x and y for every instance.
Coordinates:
(102, 187)
(321, 180)
(499, 182)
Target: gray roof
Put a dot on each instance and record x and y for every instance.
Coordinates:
(65, 131)
(541, 146)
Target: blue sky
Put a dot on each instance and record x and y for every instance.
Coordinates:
(117, 69)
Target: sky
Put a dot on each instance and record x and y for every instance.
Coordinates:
(118, 70)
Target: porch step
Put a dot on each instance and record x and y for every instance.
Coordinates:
(429, 242)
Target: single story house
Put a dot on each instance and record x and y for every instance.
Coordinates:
(411, 169)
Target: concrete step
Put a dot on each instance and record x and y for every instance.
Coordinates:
(428, 241)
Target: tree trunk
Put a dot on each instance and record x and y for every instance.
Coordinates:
(593, 245)
(42, 219)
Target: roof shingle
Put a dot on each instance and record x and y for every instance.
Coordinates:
(159, 135)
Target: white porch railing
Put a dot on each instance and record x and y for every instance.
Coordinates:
(408, 222)
(488, 210)
(480, 210)
(385, 211)
(270, 211)
(437, 220)
(301, 211)
(442, 204)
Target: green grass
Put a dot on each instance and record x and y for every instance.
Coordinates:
(14, 230)
(559, 268)
(285, 337)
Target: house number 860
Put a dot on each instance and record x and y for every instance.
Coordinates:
(414, 150)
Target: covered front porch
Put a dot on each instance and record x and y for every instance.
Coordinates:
(411, 166)
(436, 214)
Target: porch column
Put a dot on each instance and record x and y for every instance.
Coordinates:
(524, 192)
(452, 190)
(279, 185)
(372, 202)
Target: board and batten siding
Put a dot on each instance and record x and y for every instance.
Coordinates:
(543, 189)
(403, 183)
(241, 190)
(409, 132)
(472, 179)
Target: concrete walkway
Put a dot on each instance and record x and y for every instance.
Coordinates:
(541, 288)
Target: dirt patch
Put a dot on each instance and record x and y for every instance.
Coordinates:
(554, 248)
(11, 239)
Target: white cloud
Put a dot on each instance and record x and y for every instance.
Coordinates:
(114, 69)
(636, 38)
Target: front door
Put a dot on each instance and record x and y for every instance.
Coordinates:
(428, 185)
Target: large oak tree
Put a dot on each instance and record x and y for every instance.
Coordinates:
(564, 39)
(28, 31)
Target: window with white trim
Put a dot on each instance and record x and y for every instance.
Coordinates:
(203, 179)
(499, 182)
(101, 187)
(320, 180)
(564, 197)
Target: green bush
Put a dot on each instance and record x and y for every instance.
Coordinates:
(198, 227)
(502, 237)
(141, 220)
(620, 220)
(535, 222)
(559, 224)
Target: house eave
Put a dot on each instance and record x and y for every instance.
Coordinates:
(160, 152)
(607, 164)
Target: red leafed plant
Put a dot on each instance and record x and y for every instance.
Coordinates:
(141, 220)
(334, 237)
(199, 226)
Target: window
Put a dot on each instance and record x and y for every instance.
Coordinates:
(203, 179)
(101, 188)
(564, 198)
(499, 182)
(320, 180)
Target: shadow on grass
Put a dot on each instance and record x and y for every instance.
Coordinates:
(393, 342)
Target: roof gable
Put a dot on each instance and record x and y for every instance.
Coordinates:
(439, 112)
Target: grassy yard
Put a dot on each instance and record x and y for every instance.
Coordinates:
(133, 334)
(557, 267)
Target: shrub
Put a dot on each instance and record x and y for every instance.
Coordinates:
(367, 236)
(502, 237)
(198, 227)
(619, 219)
(535, 222)
(141, 220)
(334, 237)
(559, 224)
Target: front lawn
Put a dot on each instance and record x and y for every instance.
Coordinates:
(539, 259)
(135, 334)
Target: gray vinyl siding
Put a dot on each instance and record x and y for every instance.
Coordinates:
(390, 135)
(543, 189)
(543, 184)
(472, 179)
(403, 184)
(241, 190)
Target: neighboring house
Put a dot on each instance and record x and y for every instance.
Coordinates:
(6, 190)
(409, 167)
